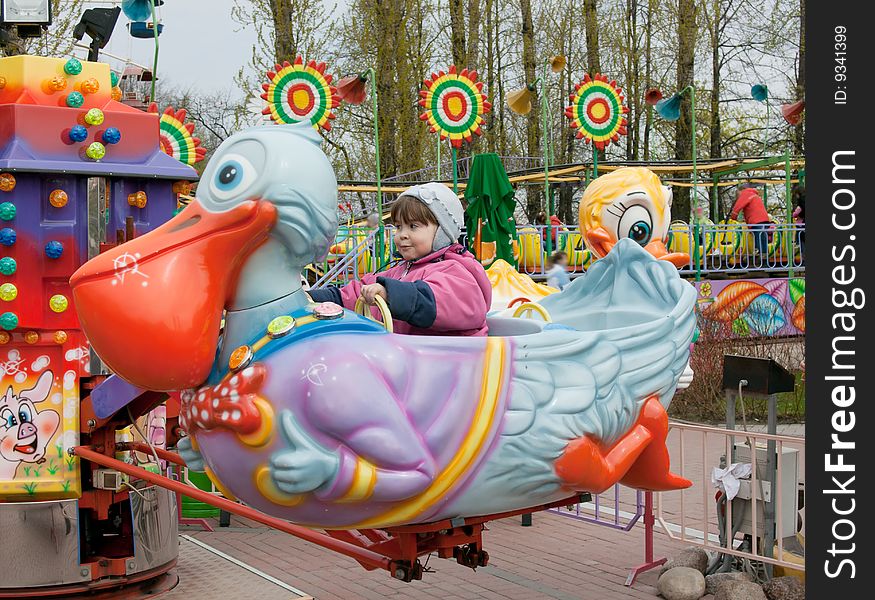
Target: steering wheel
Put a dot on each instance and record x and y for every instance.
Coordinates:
(528, 308)
(361, 308)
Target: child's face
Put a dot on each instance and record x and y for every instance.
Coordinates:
(414, 240)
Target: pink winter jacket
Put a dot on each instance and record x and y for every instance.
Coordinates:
(444, 293)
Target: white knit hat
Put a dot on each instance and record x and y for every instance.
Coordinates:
(446, 208)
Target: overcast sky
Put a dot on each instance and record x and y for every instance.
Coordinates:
(200, 45)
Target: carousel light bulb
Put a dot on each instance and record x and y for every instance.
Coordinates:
(90, 86)
(94, 116)
(116, 93)
(58, 303)
(31, 337)
(4, 337)
(78, 133)
(60, 337)
(8, 292)
(58, 198)
(112, 136)
(96, 151)
(7, 236)
(7, 211)
(57, 83)
(113, 78)
(73, 67)
(8, 265)
(7, 182)
(75, 99)
(54, 249)
(9, 321)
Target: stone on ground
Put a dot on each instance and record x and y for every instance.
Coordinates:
(681, 583)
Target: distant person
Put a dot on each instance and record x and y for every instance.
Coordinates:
(555, 225)
(798, 198)
(557, 275)
(749, 202)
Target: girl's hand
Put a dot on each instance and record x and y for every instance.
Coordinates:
(371, 291)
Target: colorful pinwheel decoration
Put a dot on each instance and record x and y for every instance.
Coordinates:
(597, 111)
(175, 136)
(454, 105)
(298, 92)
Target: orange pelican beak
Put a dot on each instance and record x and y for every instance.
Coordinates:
(152, 307)
(657, 248)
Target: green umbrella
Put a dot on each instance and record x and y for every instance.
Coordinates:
(491, 205)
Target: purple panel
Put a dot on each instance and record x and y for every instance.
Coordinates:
(111, 395)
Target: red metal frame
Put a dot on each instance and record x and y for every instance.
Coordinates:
(394, 549)
(649, 562)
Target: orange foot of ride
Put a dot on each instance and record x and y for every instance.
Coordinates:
(586, 466)
(651, 470)
(639, 459)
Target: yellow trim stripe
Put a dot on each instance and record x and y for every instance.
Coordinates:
(299, 322)
(219, 485)
(271, 492)
(363, 482)
(493, 369)
(262, 435)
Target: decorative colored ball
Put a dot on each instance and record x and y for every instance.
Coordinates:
(7, 236)
(60, 336)
(75, 99)
(31, 337)
(138, 199)
(7, 182)
(9, 321)
(54, 249)
(58, 198)
(90, 86)
(182, 187)
(116, 93)
(73, 67)
(2, 82)
(78, 133)
(4, 337)
(57, 83)
(58, 303)
(94, 116)
(8, 292)
(113, 78)
(7, 211)
(8, 265)
(96, 151)
(112, 136)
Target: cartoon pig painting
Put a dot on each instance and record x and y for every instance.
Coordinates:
(24, 432)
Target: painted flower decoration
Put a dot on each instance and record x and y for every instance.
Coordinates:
(454, 105)
(597, 111)
(176, 136)
(300, 92)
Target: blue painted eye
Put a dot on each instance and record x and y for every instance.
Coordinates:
(9, 419)
(640, 232)
(233, 177)
(636, 224)
(230, 175)
(24, 415)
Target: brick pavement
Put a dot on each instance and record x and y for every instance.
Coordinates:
(556, 559)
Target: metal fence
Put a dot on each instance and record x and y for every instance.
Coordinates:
(703, 517)
(722, 249)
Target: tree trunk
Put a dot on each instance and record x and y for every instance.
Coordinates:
(683, 128)
(799, 137)
(473, 58)
(457, 36)
(715, 100)
(533, 130)
(499, 100)
(648, 83)
(285, 45)
(590, 12)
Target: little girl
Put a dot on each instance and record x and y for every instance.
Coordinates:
(557, 276)
(439, 288)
